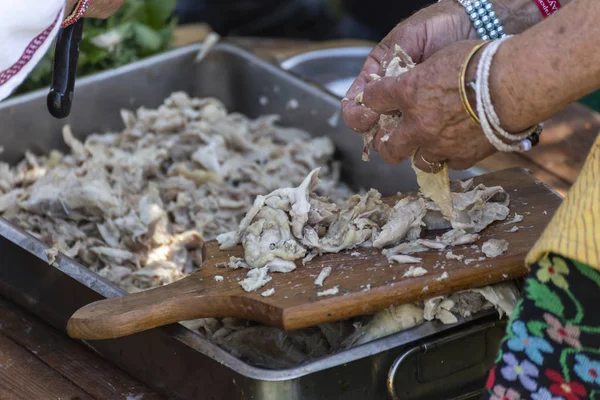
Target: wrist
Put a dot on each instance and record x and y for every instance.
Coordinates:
(515, 107)
(457, 11)
(517, 15)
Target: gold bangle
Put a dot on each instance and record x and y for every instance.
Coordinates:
(462, 86)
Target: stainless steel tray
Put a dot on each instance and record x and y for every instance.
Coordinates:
(433, 361)
(335, 69)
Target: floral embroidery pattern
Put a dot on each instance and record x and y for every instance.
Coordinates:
(491, 378)
(502, 393)
(554, 271)
(587, 370)
(531, 345)
(568, 390)
(560, 333)
(544, 394)
(551, 350)
(524, 371)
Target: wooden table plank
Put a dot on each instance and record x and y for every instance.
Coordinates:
(71, 360)
(564, 146)
(24, 377)
(500, 161)
(566, 141)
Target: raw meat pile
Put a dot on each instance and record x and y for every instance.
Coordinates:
(136, 206)
(293, 223)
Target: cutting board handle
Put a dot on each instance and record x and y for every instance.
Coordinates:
(180, 301)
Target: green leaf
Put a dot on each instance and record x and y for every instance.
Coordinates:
(588, 272)
(146, 27)
(158, 12)
(544, 297)
(146, 38)
(536, 327)
(130, 11)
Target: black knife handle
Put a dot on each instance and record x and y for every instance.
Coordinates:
(66, 56)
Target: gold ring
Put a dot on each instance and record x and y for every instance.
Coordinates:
(434, 166)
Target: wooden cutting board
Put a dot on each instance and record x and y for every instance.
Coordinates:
(367, 282)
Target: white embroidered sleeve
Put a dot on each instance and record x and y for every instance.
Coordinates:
(27, 29)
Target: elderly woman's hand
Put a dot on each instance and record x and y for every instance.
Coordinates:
(433, 117)
(98, 8)
(426, 32)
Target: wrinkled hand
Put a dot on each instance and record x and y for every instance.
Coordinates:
(423, 34)
(98, 8)
(433, 117)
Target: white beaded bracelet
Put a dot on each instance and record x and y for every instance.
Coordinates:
(490, 123)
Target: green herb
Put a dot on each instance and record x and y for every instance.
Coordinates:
(141, 28)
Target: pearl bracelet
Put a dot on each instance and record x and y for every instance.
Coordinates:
(484, 18)
(490, 123)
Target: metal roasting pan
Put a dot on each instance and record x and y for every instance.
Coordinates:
(431, 361)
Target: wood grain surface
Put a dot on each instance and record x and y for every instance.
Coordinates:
(39, 362)
(367, 282)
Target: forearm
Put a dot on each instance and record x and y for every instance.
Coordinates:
(537, 73)
(517, 15)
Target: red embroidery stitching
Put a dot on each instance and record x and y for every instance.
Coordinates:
(28, 53)
(77, 14)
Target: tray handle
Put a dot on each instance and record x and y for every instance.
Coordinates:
(430, 345)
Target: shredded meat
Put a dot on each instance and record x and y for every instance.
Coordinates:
(292, 223)
(136, 206)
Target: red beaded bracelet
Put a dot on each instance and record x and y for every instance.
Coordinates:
(548, 7)
(77, 13)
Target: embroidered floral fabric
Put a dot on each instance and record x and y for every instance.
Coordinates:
(551, 350)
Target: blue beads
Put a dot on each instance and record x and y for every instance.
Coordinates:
(485, 20)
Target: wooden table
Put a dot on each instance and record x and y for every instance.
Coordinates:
(39, 362)
(562, 151)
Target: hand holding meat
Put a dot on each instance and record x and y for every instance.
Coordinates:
(433, 118)
(420, 36)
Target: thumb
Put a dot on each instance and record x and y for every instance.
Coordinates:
(389, 94)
